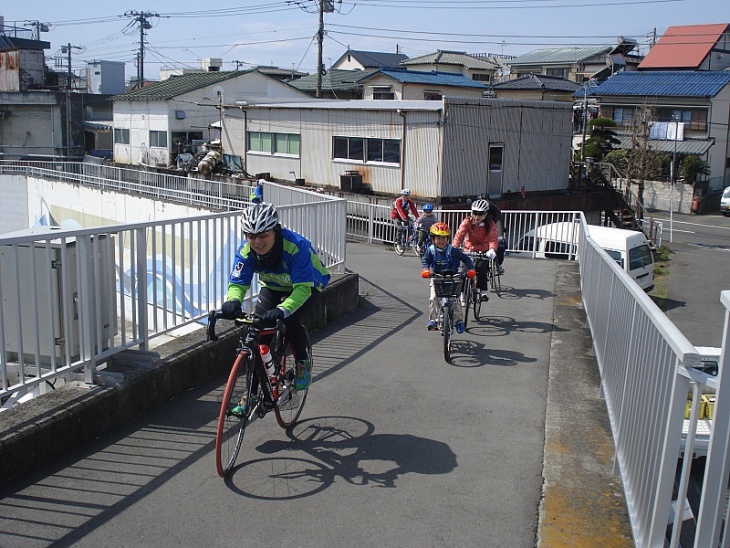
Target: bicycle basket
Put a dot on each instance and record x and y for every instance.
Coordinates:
(449, 287)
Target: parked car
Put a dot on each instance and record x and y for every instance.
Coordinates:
(725, 201)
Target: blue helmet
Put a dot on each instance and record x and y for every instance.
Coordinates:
(428, 208)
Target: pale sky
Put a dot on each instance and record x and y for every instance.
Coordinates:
(283, 33)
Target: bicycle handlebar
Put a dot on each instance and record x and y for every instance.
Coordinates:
(245, 319)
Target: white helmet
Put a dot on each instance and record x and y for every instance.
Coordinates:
(259, 218)
(406, 192)
(480, 206)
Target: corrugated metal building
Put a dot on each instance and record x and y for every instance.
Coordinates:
(451, 148)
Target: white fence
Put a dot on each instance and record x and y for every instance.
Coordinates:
(71, 299)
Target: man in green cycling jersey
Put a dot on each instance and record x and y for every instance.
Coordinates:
(291, 274)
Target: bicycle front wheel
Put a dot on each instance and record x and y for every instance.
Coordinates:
(290, 402)
(477, 303)
(496, 279)
(466, 296)
(447, 332)
(234, 414)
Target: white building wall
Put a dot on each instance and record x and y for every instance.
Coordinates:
(719, 153)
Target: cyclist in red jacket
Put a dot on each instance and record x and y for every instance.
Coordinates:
(403, 208)
(477, 233)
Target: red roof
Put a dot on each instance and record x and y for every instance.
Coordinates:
(684, 47)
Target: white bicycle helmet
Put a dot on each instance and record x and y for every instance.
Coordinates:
(406, 192)
(259, 218)
(480, 206)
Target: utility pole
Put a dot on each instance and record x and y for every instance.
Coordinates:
(325, 6)
(142, 17)
(69, 83)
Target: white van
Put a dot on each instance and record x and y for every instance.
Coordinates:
(629, 248)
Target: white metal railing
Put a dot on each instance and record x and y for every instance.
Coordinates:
(71, 299)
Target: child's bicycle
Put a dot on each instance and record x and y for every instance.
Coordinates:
(447, 288)
(250, 391)
(405, 238)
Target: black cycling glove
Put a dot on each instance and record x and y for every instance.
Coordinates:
(231, 309)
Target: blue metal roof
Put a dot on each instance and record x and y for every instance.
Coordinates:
(662, 84)
(433, 78)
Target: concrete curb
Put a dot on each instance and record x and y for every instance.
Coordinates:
(583, 501)
(42, 429)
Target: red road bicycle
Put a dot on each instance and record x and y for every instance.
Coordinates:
(250, 391)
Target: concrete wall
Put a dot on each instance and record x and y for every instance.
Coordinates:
(29, 201)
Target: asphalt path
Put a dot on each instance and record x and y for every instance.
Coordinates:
(699, 269)
(395, 446)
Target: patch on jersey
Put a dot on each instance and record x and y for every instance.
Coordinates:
(237, 270)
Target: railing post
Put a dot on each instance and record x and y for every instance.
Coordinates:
(140, 287)
(717, 468)
(85, 303)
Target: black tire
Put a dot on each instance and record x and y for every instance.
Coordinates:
(231, 428)
(467, 301)
(447, 332)
(477, 304)
(290, 402)
(496, 279)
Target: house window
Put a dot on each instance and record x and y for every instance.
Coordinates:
(274, 143)
(366, 150)
(694, 119)
(383, 92)
(480, 77)
(121, 136)
(496, 155)
(158, 139)
(623, 116)
(432, 96)
(558, 72)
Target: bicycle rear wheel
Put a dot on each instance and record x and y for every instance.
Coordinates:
(446, 311)
(231, 427)
(290, 402)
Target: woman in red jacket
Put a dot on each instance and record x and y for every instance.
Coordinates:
(476, 233)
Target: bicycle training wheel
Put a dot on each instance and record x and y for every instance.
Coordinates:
(477, 304)
(290, 402)
(231, 427)
(447, 332)
(496, 279)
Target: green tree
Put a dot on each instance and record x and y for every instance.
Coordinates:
(602, 138)
(693, 166)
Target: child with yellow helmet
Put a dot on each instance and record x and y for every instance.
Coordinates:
(442, 258)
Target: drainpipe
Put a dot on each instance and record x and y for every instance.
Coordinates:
(403, 151)
(243, 106)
